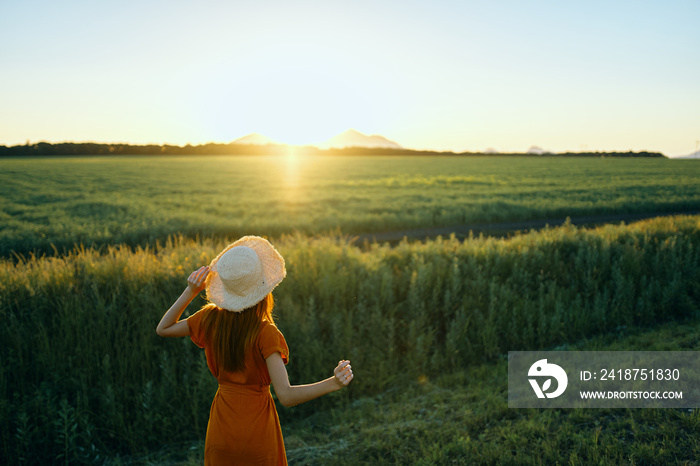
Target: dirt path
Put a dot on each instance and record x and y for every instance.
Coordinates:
(508, 228)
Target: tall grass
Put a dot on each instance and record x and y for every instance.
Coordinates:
(84, 374)
(138, 200)
(462, 418)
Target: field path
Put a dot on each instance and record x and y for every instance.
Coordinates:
(508, 228)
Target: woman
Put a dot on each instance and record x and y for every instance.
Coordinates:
(245, 352)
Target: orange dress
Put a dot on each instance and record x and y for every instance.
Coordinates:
(243, 428)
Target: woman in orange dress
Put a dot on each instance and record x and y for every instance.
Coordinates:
(245, 352)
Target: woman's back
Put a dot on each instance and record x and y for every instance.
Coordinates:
(268, 341)
(243, 423)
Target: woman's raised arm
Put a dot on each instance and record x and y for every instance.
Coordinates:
(169, 325)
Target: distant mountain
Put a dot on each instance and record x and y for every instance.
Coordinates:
(352, 138)
(536, 150)
(254, 138)
(694, 155)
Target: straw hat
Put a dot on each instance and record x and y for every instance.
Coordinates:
(244, 273)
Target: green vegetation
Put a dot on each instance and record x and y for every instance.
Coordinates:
(85, 376)
(86, 379)
(463, 418)
(58, 202)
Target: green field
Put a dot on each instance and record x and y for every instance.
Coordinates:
(85, 377)
(462, 418)
(57, 202)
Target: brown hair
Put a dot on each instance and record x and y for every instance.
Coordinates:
(232, 333)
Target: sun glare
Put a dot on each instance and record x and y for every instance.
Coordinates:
(300, 110)
(295, 101)
(291, 174)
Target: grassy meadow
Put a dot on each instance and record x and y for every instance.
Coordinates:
(461, 417)
(56, 202)
(85, 378)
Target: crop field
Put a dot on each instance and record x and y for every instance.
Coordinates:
(48, 203)
(86, 380)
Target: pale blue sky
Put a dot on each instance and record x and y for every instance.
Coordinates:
(446, 75)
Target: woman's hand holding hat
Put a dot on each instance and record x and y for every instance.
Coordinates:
(196, 280)
(170, 325)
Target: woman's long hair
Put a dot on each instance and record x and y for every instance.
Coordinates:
(232, 333)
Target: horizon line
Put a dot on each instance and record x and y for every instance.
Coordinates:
(282, 144)
(321, 145)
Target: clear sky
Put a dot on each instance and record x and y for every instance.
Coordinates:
(445, 75)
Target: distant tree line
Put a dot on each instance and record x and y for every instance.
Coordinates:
(89, 148)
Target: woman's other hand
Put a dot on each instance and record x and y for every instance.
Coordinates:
(196, 280)
(343, 374)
